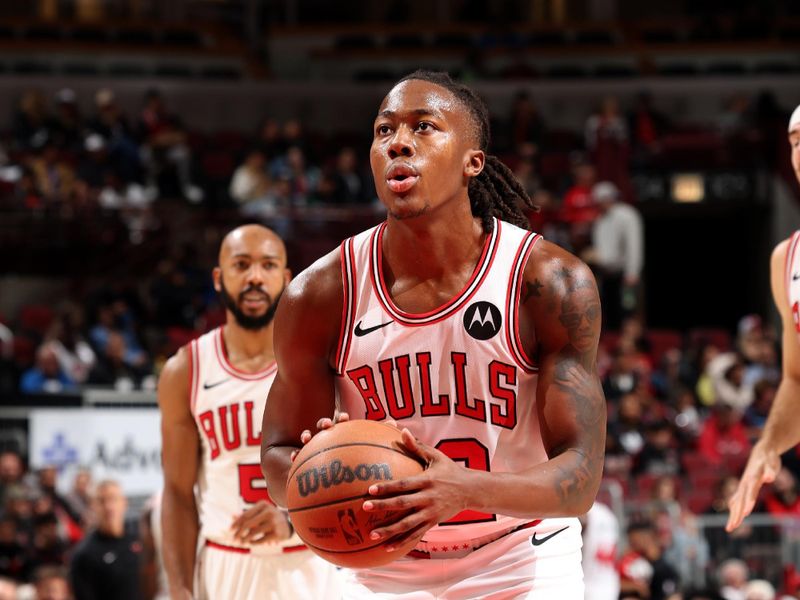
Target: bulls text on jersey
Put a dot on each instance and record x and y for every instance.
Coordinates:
(231, 426)
(384, 401)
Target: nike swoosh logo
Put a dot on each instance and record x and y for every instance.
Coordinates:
(796, 276)
(360, 332)
(208, 386)
(542, 540)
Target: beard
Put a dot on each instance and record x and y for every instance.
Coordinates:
(251, 323)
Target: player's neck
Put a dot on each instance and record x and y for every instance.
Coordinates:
(433, 244)
(247, 349)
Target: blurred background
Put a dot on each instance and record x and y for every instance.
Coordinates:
(135, 133)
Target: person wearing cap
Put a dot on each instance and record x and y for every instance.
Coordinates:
(617, 252)
(782, 431)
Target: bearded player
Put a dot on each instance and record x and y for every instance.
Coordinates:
(223, 537)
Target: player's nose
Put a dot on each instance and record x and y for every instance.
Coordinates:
(401, 143)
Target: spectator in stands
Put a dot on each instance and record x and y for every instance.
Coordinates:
(643, 569)
(733, 120)
(79, 497)
(627, 428)
(47, 376)
(578, 209)
(19, 506)
(94, 164)
(111, 124)
(69, 520)
(115, 367)
(47, 547)
(600, 544)
(725, 546)
(8, 589)
(54, 177)
(660, 455)
(783, 497)
(617, 253)
(164, 147)
(115, 315)
(756, 414)
(526, 171)
(723, 438)
(526, 123)
(269, 139)
(75, 355)
(727, 377)
(52, 583)
(26, 191)
(302, 180)
(31, 121)
(106, 563)
(14, 561)
(11, 472)
(687, 418)
(250, 184)
(733, 575)
(646, 126)
(67, 125)
(684, 547)
(623, 377)
(759, 589)
(350, 186)
(607, 142)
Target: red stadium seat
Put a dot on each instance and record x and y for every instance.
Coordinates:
(662, 340)
(720, 338)
(36, 318)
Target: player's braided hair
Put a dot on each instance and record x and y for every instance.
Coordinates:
(495, 192)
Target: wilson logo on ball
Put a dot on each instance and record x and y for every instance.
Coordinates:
(310, 480)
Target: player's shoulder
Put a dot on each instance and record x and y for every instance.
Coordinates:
(173, 381)
(780, 253)
(318, 284)
(550, 263)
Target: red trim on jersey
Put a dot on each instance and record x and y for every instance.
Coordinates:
(194, 373)
(787, 267)
(444, 311)
(349, 288)
(238, 550)
(513, 338)
(225, 363)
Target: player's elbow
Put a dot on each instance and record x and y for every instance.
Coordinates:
(273, 468)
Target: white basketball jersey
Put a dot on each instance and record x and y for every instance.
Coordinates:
(793, 278)
(228, 405)
(457, 377)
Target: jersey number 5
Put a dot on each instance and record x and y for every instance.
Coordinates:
(252, 486)
(474, 455)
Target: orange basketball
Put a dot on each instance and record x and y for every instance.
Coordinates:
(328, 484)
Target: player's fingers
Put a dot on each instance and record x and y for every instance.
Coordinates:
(341, 417)
(398, 528)
(262, 531)
(325, 423)
(243, 516)
(400, 486)
(398, 503)
(293, 455)
(305, 437)
(401, 539)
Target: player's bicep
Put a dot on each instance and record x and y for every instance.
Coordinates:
(180, 442)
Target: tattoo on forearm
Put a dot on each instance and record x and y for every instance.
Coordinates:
(585, 396)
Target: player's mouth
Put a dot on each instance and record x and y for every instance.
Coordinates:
(401, 177)
(254, 301)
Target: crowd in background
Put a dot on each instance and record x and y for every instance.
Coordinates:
(684, 407)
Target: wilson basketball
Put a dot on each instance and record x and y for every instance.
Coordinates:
(329, 482)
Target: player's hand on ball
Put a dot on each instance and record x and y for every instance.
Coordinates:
(261, 523)
(322, 425)
(762, 467)
(432, 497)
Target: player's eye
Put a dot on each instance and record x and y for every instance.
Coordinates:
(382, 129)
(424, 126)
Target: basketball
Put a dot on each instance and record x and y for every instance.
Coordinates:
(328, 484)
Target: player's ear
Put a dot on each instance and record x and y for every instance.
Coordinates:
(475, 160)
(287, 276)
(216, 275)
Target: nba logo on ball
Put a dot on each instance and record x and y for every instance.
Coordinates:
(347, 521)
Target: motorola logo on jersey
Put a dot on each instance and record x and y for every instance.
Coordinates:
(482, 320)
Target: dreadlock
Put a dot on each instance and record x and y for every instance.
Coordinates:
(495, 192)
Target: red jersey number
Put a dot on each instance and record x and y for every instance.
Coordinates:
(474, 455)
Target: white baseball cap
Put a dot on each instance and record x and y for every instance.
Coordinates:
(794, 120)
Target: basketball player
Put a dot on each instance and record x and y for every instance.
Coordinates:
(782, 430)
(211, 394)
(477, 337)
